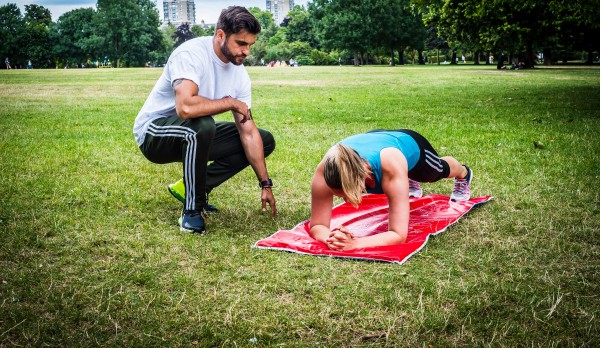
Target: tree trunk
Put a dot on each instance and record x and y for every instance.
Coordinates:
(392, 62)
(500, 59)
(453, 59)
(356, 59)
(530, 59)
(400, 56)
(118, 62)
(590, 57)
(438, 56)
(476, 58)
(421, 58)
(487, 58)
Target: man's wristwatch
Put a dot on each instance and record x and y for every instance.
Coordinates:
(265, 183)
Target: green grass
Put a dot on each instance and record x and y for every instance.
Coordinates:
(90, 253)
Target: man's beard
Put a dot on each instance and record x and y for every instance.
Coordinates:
(230, 57)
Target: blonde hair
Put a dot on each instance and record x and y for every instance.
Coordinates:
(344, 169)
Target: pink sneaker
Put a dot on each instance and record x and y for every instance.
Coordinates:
(462, 187)
(414, 189)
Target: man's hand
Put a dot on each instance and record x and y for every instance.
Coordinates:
(266, 196)
(240, 110)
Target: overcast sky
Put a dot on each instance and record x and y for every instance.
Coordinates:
(207, 10)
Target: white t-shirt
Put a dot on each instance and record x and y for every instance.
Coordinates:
(197, 61)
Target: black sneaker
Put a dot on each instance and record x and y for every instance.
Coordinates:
(209, 208)
(192, 221)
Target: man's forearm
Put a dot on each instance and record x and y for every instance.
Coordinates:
(189, 104)
(255, 152)
(197, 106)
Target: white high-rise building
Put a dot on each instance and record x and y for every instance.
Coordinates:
(178, 12)
(279, 9)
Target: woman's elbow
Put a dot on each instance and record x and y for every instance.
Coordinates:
(400, 237)
(310, 231)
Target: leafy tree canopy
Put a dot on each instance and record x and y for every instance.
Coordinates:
(129, 29)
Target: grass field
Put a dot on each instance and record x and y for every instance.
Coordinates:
(91, 254)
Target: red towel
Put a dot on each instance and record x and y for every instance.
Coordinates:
(429, 215)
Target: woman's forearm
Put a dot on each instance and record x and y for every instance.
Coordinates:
(320, 233)
(380, 239)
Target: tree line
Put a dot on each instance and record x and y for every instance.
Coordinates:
(129, 33)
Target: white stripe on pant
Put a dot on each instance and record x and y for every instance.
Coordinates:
(189, 162)
(433, 161)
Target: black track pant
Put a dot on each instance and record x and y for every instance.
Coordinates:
(195, 142)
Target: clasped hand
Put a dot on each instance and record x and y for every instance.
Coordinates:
(340, 239)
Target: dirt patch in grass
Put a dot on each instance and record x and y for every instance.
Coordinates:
(497, 72)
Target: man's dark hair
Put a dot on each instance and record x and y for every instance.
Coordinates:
(237, 18)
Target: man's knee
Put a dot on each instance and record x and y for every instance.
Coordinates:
(268, 141)
(204, 127)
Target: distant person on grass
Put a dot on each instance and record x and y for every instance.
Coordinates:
(380, 161)
(204, 77)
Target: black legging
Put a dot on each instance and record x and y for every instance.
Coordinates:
(430, 167)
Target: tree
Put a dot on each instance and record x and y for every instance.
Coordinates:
(279, 37)
(35, 39)
(434, 42)
(578, 26)
(198, 31)
(11, 29)
(35, 14)
(161, 54)
(300, 27)
(71, 34)
(182, 34)
(267, 23)
(262, 48)
(128, 29)
(518, 26)
(344, 25)
(453, 31)
(397, 27)
(257, 52)
(300, 48)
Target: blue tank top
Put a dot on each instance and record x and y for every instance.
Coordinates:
(369, 146)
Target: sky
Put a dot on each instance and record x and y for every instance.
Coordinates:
(207, 10)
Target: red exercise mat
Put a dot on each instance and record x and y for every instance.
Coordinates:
(429, 215)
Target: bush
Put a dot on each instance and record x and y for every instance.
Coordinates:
(298, 48)
(304, 60)
(251, 60)
(321, 58)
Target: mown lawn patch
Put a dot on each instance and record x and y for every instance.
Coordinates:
(90, 251)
